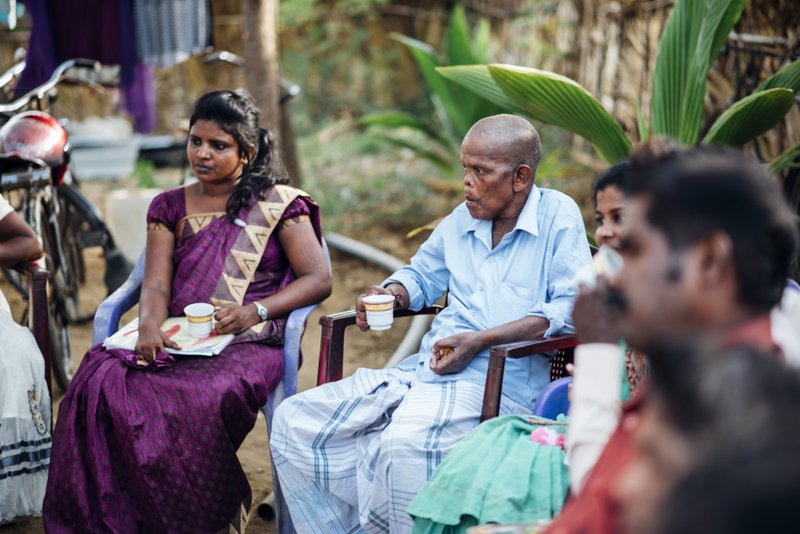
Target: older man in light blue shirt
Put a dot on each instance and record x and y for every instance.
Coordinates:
(528, 274)
(352, 455)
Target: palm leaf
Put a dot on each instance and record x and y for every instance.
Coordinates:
(477, 79)
(750, 117)
(557, 100)
(641, 123)
(786, 160)
(788, 77)
(481, 39)
(463, 50)
(459, 49)
(691, 40)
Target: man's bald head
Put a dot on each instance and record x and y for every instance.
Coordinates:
(509, 138)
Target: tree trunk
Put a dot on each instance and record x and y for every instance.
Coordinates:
(262, 72)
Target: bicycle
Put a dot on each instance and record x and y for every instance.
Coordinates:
(35, 166)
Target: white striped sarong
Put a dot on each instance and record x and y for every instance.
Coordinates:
(352, 455)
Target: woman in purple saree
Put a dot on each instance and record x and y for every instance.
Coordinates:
(146, 442)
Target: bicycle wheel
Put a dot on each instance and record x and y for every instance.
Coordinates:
(72, 226)
(38, 217)
(83, 227)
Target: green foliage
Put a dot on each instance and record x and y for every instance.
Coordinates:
(692, 38)
(786, 160)
(750, 117)
(788, 77)
(144, 172)
(456, 110)
(549, 98)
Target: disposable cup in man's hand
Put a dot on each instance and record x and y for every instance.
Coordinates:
(380, 311)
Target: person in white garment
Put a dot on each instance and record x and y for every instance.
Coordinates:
(24, 399)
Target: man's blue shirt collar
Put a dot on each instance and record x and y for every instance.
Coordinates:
(527, 221)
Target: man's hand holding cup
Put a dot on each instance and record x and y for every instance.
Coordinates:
(375, 308)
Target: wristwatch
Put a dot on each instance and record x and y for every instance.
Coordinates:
(262, 311)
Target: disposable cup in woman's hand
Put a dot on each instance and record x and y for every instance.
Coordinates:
(380, 311)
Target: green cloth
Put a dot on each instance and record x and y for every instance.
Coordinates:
(625, 393)
(497, 474)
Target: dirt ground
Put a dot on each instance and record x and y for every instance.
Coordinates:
(372, 349)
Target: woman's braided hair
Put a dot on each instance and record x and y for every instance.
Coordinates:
(235, 113)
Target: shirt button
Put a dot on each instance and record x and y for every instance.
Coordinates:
(491, 259)
(480, 288)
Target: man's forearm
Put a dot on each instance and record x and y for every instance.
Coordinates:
(525, 329)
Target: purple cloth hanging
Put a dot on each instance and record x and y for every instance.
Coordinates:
(111, 41)
(41, 59)
(140, 98)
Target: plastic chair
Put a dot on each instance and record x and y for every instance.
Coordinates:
(110, 311)
(553, 400)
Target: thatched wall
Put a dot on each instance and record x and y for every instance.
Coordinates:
(617, 43)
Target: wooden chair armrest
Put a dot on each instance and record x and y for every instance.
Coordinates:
(38, 317)
(331, 348)
(497, 365)
(521, 349)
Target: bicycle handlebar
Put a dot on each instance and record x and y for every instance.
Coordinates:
(11, 74)
(38, 93)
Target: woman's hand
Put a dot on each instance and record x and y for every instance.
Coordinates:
(234, 319)
(151, 341)
(453, 354)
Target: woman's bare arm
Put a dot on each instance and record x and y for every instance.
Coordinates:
(18, 243)
(311, 285)
(156, 293)
(313, 278)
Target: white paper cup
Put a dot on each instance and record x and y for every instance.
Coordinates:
(380, 311)
(199, 315)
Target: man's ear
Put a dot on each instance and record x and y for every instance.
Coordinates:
(523, 175)
(715, 259)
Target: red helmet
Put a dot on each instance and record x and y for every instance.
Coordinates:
(34, 134)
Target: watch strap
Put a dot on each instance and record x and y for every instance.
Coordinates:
(262, 311)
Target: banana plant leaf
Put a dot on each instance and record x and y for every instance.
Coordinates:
(461, 110)
(400, 119)
(750, 117)
(549, 98)
(440, 90)
(446, 164)
(692, 38)
(786, 160)
(788, 77)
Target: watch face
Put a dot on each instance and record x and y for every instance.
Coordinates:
(262, 313)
